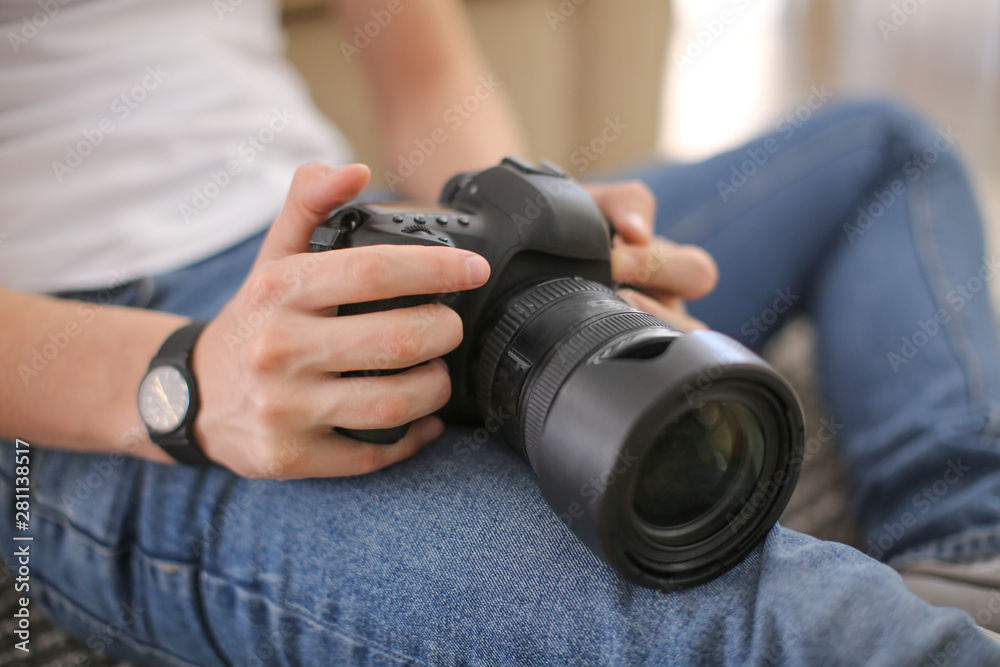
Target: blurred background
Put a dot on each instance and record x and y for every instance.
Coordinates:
(692, 77)
(943, 58)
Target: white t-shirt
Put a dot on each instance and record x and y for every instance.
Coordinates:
(139, 136)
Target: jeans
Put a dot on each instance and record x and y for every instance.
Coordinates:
(454, 558)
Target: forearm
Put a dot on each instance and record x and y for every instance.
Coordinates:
(72, 370)
(441, 94)
(447, 137)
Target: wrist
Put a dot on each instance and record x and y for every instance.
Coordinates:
(123, 431)
(168, 397)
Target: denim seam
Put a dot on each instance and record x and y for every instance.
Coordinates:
(50, 590)
(304, 614)
(105, 550)
(59, 518)
(970, 546)
(135, 552)
(930, 262)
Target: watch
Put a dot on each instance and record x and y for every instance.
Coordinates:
(168, 397)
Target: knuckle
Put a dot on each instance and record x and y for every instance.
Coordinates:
(263, 287)
(392, 409)
(266, 410)
(267, 351)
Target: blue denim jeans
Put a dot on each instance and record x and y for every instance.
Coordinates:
(861, 218)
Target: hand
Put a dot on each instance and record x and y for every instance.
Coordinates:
(268, 366)
(666, 273)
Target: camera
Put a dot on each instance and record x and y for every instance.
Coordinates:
(669, 455)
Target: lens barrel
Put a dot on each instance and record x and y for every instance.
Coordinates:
(670, 455)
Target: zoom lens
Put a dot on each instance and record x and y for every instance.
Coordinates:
(670, 455)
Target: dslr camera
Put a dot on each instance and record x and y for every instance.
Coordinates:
(669, 455)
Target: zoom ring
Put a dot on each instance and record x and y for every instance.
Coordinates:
(515, 314)
(567, 356)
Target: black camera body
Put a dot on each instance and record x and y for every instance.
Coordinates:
(530, 224)
(670, 455)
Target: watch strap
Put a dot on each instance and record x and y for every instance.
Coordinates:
(177, 351)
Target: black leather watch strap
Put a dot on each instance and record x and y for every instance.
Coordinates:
(176, 351)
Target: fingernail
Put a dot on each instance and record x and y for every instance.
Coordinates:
(478, 269)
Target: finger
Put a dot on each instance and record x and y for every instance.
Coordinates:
(630, 206)
(358, 275)
(676, 317)
(382, 401)
(686, 271)
(397, 338)
(336, 455)
(315, 192)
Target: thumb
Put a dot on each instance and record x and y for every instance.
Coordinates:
(316, 190)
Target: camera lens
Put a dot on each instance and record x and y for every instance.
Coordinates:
(670, 455)
(708, 459)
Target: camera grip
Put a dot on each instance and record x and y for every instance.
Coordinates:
(379, 436)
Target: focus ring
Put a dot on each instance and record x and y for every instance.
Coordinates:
(556, 368)
(519, 310)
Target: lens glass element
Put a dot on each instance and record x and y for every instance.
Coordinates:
(709, 455)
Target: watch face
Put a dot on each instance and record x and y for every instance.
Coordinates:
(163, 399)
